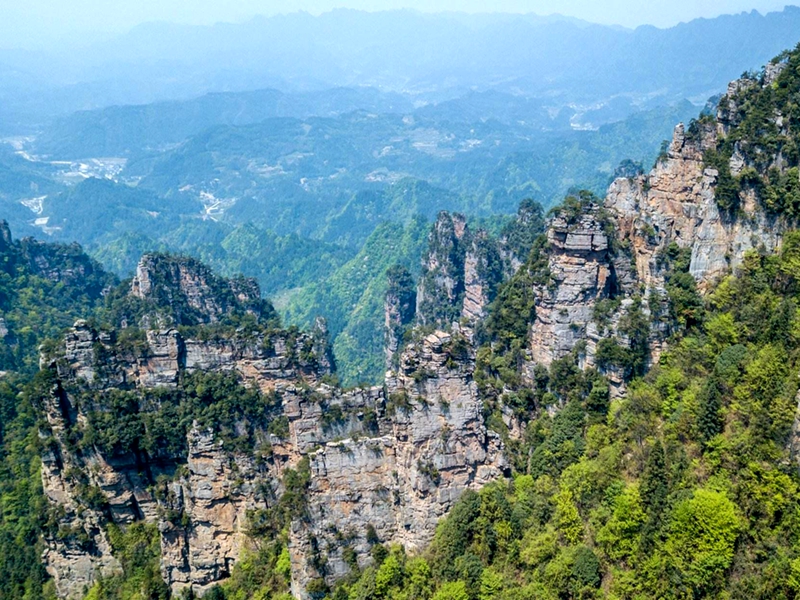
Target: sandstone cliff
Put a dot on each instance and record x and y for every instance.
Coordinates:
(398, 309)
(460, 273)
(675, 203)
(621, 248)
(183, 291)
(390, 459)
(384, 462)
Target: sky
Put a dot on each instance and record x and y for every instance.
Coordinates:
(35, 23)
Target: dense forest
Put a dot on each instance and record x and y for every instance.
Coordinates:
(679, 479)
(686, 487)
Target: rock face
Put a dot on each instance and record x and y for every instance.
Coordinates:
(460, 273)
(59, 263)
(429, 444)
(391, 458)
(81, 552)
(581, 273)
(483, 273)
(192, 294)
(398, 309)
(209, 493)
(675, 203)
(518, 236)
(440, 292)
(615, 249)
(5, 236)
(213, 499)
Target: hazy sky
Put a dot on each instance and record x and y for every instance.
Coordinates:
(33, 22)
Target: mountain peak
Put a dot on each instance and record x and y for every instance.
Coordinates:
(190, 293)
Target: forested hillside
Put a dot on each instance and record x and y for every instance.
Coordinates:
(44, 288)
(686, 487)
(546, 370)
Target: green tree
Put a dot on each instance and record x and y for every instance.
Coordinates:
(419, 581)
(709, 420)
(702, 534)
(568, 520)
(653, 490)
(452, 590)
(620, 536)
(389, 573)
(491, 585)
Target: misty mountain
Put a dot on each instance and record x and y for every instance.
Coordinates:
(333, 178)
(126, 130)
(434, 57)
(298, 174)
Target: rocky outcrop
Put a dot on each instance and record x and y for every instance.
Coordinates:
(5, 236)
(581, 272)
(518, 236)
(386, 462)
(79, 552)
(483, 273)
(678, 201)
(460, 273)
(617, 249)
(59, 263)
(392, 459)
(398, 310)
(607, 262)
(204, 513)
(189, 293)
(65, 264)
(440, 291)
(98, 359)
(675, 203)
(430, 444)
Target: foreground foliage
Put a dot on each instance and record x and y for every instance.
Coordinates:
(685, 488)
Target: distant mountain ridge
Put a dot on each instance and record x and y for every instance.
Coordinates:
(122, 130)
(432, 56)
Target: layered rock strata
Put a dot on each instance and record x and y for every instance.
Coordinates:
(189, 293)
(390, 459)
(393, 459)
(398, 309)
(581, 272)
(460, 273)
(675, 203)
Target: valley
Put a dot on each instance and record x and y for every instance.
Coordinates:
(377, 323)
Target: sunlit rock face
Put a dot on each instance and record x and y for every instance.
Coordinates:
(392, 458)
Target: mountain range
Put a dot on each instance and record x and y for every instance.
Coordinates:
(432, 57)
(596, 402)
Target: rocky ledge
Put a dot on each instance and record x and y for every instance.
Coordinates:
(390, 460)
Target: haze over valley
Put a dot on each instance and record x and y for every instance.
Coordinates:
(399, 304)
(277, 145)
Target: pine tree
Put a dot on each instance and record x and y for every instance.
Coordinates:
(653, 489)
(709, 421)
